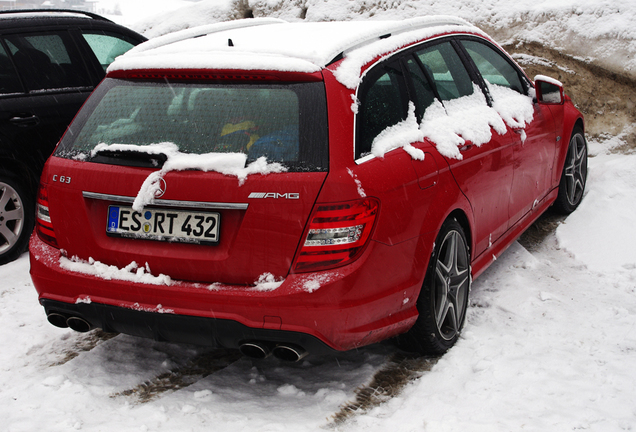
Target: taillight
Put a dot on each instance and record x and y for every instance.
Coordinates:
(337, 234)
(43, 225)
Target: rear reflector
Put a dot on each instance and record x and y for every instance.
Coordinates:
(43, 225)
(337, 234)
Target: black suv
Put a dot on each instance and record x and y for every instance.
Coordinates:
(50, 61)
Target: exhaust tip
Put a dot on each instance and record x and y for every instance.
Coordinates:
(291, 353)
(78, 324)
(58, 320)
(258, 350)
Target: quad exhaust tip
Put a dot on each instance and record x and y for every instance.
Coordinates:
(262, 350)
(291, 353)
(63, 321)
(58, 320)
(257, 350)
(78, 324)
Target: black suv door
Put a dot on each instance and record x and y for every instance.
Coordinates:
(47, 70)
(52, 83)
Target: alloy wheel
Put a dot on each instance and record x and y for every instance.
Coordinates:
(451, 286)
(11, 217)
(576, 169)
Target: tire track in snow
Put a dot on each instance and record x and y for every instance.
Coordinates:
(400, 370)
(86, 342)
(194, 370)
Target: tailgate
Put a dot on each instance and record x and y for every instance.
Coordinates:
(257, 225)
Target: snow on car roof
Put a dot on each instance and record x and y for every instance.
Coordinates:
(272, 44)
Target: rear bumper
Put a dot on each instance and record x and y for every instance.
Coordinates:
(334, 310)
(180, 328)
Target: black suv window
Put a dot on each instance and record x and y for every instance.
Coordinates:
(106, 47)
(447, 71)
(9, 81)
(47, 61)
(493, 67)
(383, 103)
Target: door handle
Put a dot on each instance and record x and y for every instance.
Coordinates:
(25, 121)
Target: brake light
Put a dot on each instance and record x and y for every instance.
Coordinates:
(43, 225)
(337, 234)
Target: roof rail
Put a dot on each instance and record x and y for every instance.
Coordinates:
(73, 11)
(401, 27)
(203, 30)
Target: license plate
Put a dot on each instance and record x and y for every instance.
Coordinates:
(163, 225)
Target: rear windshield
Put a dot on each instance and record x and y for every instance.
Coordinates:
(286, 123)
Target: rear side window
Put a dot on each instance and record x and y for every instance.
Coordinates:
(383, 103)
(493, 67)
(47, 61)
(447, 71)
(284, 123)
(106, 47)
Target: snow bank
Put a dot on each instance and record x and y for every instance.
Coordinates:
(599, 29)
(599, 232)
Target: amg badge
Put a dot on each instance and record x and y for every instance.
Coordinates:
(275, 195)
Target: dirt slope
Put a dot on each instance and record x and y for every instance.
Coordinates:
(606, 99)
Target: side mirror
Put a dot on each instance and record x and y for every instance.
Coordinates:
(549, 91)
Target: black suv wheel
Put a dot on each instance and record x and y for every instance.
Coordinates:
(16, 219)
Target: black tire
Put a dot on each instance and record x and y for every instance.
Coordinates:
(16, 219)
(574, 176)
(443, 300)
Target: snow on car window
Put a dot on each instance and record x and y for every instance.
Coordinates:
(400, 135)
(450, 125)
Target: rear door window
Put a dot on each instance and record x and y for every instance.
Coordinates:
(493, 67)
(424, 94)
(444, 66)
(47, 61)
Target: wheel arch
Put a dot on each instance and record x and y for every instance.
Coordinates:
(569, 129)
(20, 172)
(462, 219)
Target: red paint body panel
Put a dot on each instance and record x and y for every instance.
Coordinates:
(263, 238)
(496, 191)
(339, 313)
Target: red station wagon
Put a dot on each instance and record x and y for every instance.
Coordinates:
(295, 188)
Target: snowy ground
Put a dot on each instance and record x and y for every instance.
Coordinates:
(549, 344)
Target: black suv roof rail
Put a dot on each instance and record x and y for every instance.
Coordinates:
(73, 11)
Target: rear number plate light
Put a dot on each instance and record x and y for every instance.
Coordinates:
(164, 225)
